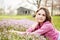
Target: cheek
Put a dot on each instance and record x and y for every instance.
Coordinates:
(36, 17)
(44, 18)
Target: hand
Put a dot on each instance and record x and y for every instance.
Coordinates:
(32, 33)
(28, 33)
(22, 33)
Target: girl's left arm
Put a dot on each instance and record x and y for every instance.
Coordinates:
(45, 28)
(32, 27)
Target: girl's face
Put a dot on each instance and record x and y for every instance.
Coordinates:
(40, 16)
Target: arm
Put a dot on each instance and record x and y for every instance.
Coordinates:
(45, 28)
(32, 27)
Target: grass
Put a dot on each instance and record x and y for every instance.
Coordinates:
(56, 19)
(16, 17)
(14, 36)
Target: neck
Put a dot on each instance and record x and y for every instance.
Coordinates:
(41, 23)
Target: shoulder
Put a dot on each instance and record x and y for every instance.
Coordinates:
(48, 24)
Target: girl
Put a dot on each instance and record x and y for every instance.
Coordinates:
(44, 26)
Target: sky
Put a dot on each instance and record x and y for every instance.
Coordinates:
(14, 4)
(1, 3)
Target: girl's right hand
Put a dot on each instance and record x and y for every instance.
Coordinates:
(22, 33)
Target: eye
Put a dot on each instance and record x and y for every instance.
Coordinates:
(43, 14)
(39, 14)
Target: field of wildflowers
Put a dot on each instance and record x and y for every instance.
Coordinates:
(20, 23)
(8, 25)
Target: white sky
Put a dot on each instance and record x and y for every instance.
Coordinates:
(13, 4)
(1, 3)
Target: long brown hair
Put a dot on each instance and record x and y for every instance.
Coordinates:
(48, 17)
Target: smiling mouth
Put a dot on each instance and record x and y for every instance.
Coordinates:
(40, 19)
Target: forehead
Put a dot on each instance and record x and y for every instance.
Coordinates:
(41, 11)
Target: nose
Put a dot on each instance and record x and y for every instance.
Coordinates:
(40, 16)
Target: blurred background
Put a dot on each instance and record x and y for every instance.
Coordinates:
(17, 15)
(15, 7)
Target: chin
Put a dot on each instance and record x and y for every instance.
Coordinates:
(41, 21)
